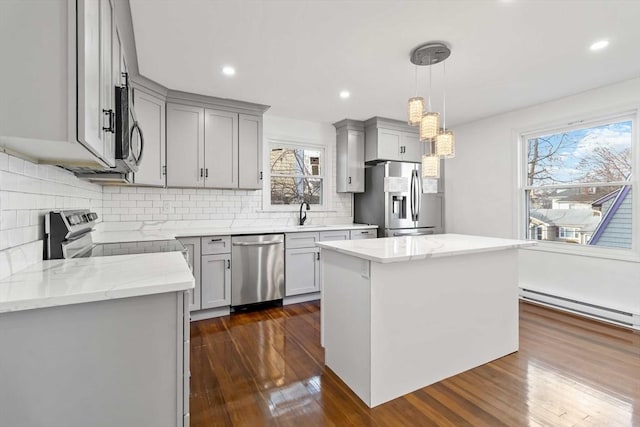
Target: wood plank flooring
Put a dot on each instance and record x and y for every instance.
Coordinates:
(266, 368)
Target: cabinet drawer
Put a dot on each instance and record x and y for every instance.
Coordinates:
(301, 240)
(371, 233)
(212, 245)
(327, 236)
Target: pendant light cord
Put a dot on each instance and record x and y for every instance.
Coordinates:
(429, 97)
(444, 96)
(415, 75)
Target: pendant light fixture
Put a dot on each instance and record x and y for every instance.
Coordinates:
(445, 141)
(430, 54)
(416, 105)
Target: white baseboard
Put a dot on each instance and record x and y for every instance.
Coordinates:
(605, 314)
(295, 299)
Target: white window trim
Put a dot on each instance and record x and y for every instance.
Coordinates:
(326, 173)
(521, 137)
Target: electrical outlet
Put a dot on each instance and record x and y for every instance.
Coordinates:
(166, 207)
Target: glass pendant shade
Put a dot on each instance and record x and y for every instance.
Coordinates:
(430, 166)
(445, 145)
(416, 109)
(429, 125)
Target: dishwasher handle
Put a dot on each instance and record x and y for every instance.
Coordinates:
(273, 242)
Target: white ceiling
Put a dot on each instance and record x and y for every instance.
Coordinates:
(298, 55)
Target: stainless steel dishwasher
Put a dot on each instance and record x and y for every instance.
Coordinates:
(257, 268)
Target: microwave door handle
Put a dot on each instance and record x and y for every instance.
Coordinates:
(137, 128)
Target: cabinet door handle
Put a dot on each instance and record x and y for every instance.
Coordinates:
(164, 170)
(349, 180)
(206, 173)
(228, 264)
(260, 175)
(201, 172)
(110, 116)
(216, 240)
(318, 256)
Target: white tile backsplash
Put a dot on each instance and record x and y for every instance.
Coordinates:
(27, 192)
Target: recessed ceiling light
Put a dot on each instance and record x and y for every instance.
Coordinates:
(599, 45)
(345, 94)
(228, 70)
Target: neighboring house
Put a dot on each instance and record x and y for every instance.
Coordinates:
(615, 228)
(564, 225)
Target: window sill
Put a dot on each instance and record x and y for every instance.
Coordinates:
(628, 255)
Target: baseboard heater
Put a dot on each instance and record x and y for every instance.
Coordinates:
(618, 317)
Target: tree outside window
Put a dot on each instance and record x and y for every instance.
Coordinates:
(296, 174)
(578, 184)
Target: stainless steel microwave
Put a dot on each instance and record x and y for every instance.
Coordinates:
(129, 136)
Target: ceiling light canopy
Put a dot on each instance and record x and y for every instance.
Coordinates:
(599, 45)
(228, 70)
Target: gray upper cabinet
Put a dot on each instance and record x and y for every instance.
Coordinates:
(250, 151)
(70, 84)
(387, 139)
(213, 148)
(185, 146)
(350, 146)
(150, 112)
(220, 149)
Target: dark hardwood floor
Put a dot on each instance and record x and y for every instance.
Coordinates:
(266, 368)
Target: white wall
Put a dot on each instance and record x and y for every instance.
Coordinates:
(27, 192)
(481, 197)
(136, 207)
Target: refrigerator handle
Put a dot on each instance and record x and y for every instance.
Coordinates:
(418, 195)
(412, 195)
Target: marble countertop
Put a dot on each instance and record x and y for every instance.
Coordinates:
(142, 235)
(73, 281)
(409, 248)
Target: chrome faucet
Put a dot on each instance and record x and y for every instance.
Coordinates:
(301, 218)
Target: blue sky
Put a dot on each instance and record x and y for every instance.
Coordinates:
(580, 144)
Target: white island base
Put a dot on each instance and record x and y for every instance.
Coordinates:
(395, 325)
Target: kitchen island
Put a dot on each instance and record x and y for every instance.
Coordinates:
(402, 313)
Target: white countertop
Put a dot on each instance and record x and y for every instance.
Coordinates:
(141, 235)
(63, 282)
(408, 248)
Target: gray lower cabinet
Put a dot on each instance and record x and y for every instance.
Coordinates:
(192, 244)
(370, 233)
(302, 271)
(119, 362)
(216, 281)
(328, 236)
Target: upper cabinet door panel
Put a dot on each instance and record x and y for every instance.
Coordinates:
(90, 116)
(389, 144)
(150, 112)
(250, 151)
(412, 149)
(355, 161)
(107, 87)
(221, 149)
(185, 146)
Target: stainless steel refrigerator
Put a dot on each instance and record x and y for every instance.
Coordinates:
(394, 201)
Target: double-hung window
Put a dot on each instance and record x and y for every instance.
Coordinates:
(578, 183)
(296, 174)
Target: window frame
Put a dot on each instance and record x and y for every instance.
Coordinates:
(323, 165)
(522, 223)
